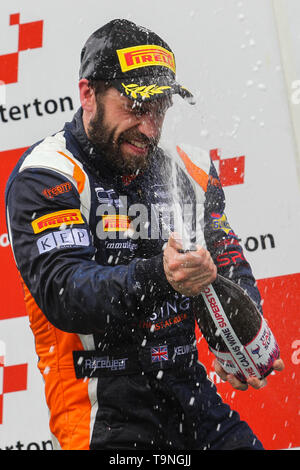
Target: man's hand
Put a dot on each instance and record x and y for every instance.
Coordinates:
(252, 381)
(188, 273)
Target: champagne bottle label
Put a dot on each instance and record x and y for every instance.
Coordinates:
(255, 359)
(252, 357)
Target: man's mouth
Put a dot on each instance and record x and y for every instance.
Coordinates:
(137, 145)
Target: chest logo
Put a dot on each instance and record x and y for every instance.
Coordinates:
(115, 223)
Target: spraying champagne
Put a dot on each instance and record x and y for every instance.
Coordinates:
(230, 321)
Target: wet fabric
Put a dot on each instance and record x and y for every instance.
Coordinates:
(85, 292)
(176, 411)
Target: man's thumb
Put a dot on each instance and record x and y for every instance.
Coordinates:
(175, 241)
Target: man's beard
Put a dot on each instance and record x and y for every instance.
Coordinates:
(105, 143)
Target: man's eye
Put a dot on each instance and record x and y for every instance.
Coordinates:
(140, 111)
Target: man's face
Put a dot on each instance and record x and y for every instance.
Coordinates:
(126, 131)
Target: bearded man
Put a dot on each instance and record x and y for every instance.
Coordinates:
(109, 305)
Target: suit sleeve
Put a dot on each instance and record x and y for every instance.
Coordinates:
(223, 243)
(54, 253)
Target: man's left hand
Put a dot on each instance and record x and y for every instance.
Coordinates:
(252, 381)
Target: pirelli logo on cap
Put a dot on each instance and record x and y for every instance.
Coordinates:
(57, 219)
(145, 56)
(115, 223)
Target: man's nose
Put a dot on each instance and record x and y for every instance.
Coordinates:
(150, 125)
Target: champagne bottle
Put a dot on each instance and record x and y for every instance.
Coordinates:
(236, 332)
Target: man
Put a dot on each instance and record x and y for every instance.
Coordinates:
(109, 298)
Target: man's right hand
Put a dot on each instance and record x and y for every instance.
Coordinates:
(188, 273)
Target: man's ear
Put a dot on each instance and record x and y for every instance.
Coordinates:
(87, 96)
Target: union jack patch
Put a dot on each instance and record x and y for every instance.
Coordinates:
(159, 354)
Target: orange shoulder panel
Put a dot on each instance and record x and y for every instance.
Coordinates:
(78, 174)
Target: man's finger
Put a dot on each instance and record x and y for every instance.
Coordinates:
(256, 383)
(175, 241)
(278, 365)
(235, 383)
(220, 371)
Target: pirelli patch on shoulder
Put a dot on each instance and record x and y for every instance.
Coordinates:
(57, 219)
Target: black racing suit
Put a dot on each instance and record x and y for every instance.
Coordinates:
(116, 344)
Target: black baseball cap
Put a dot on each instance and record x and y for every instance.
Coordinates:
(133, 59)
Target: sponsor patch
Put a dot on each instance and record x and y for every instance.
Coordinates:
(56, 219)
(105, 363)
(108, 197)
(115, 223)
(56, 190)
(159, 354)
(121, 245)
(219, 222)
(147, 324)
(230, 257)
(63, 239)
(184, 349)
(144, 56)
